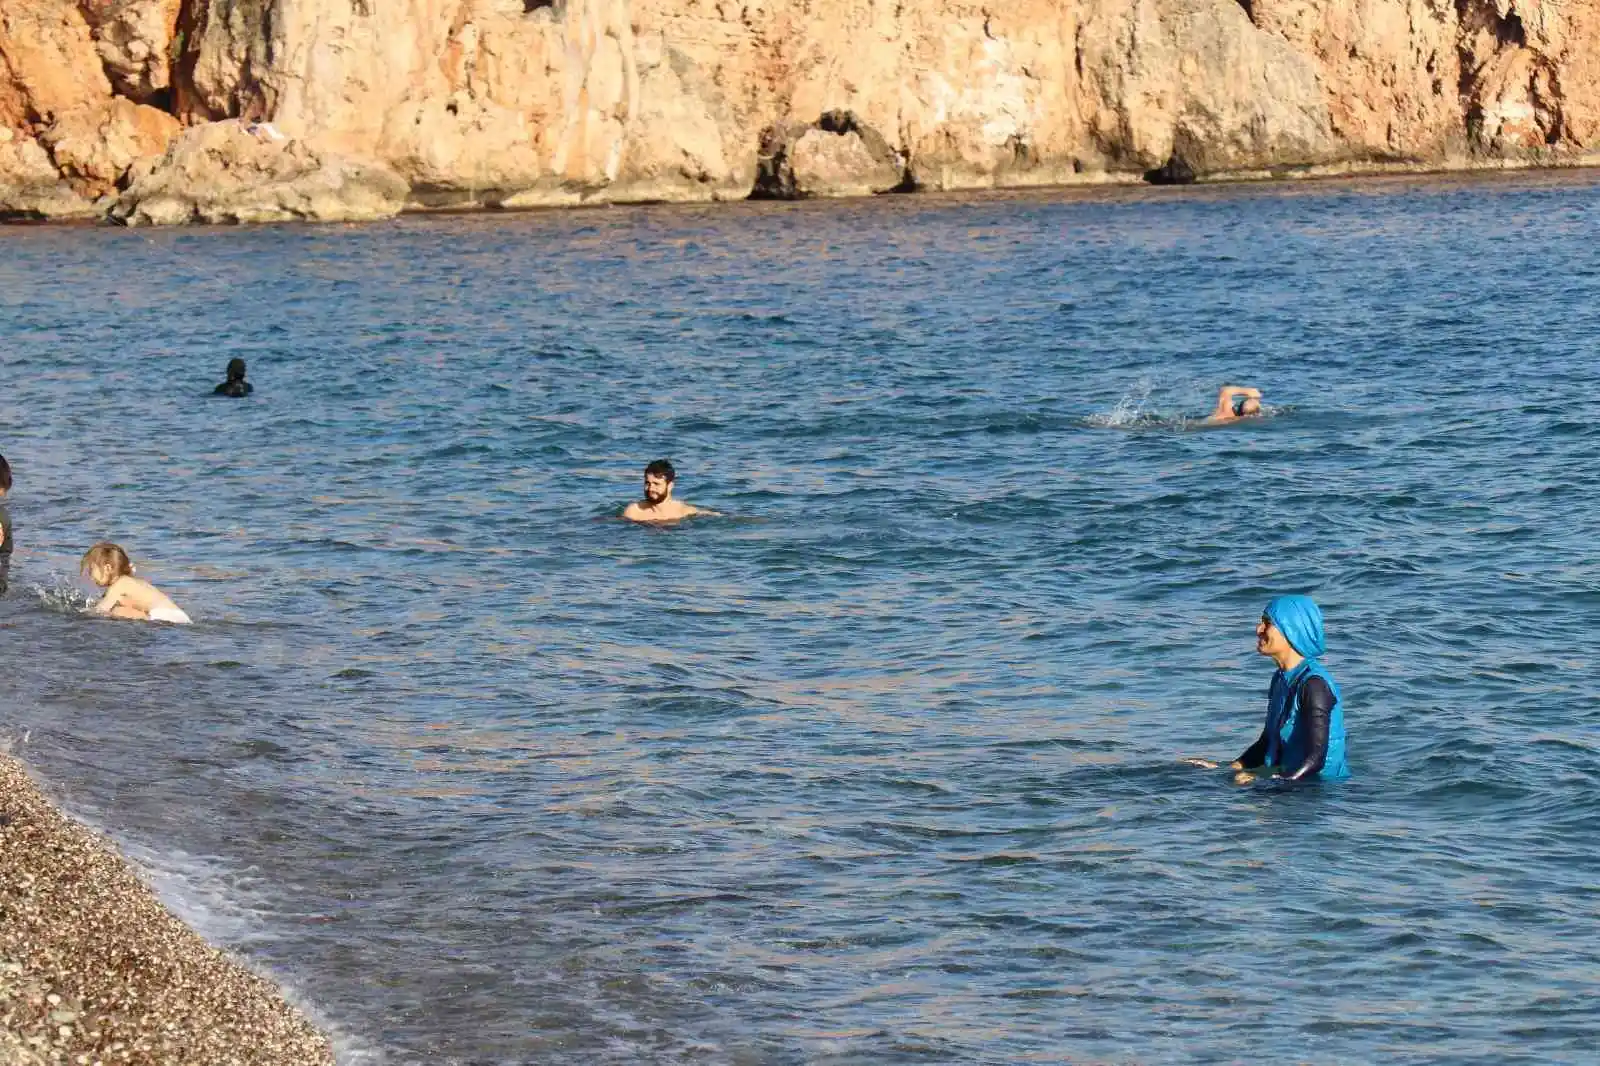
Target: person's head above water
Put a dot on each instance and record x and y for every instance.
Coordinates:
(658, 504)
(1291, 624)
(5, 476)
(1244, 406)
(236, 386)
(658, 479)
(104, 563)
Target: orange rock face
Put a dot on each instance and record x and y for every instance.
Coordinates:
(50, 61)
(134, 39)
(55, 96)
(521, 102)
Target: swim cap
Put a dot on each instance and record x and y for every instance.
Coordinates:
(1238, 404)
(1299, 619)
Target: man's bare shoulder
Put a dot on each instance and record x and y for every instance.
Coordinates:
(670, 511)
(661, 512)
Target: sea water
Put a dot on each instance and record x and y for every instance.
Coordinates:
(882, 766)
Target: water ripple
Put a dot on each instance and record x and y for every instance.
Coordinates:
(881, 767)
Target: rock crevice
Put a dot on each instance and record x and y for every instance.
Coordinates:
(836, 155)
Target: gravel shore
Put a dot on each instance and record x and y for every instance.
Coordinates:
(93, 969)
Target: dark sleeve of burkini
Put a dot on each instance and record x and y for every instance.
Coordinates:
(1255, 754)
(1316, 707)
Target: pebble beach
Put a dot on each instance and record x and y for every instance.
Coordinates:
(93, 969)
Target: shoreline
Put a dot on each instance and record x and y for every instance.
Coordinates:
(1099, 182)
(94, 968)
(1120, 181)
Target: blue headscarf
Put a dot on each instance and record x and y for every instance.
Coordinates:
(1299, 619)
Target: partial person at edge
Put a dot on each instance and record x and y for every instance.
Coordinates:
(5, 525)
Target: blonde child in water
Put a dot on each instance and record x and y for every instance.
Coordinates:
(127, 596)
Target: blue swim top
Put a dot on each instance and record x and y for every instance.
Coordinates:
(1299, 619)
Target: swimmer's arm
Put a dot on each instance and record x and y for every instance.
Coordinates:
(1225, 397)
(1316, 703)
(691, 510)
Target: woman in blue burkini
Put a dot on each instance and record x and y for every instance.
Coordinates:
(1304, 734)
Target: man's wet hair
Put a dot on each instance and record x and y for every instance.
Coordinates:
(236, 369)
(5, 475)
(1238, 404)
(661, 468)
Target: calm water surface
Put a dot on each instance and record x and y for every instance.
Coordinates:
(882, 766)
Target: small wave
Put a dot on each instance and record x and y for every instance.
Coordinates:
(235, 910)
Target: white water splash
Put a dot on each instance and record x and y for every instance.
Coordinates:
(62, 597)
(1135, 411)
(1130, 410)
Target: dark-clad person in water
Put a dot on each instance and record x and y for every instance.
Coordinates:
(236, 385)
(1303, 738)
(658, 504)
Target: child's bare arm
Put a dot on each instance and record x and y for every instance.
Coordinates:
(121, 596)
(109, 601)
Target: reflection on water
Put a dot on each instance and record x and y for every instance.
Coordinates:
(882, 766)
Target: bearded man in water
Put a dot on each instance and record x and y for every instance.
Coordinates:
(658, 504)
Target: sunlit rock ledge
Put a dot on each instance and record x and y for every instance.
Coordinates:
(108, 108)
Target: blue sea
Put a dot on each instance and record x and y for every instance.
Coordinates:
(882, 765)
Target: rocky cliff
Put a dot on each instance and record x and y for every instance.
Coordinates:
(175, 110)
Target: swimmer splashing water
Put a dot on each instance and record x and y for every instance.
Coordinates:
(127, 596)
(1233, 403)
